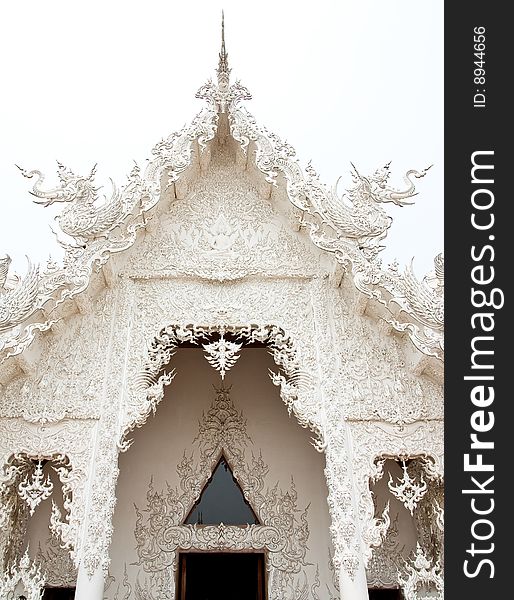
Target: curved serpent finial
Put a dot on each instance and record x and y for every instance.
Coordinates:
(82, 218)
(36, 191)
(375, 189)
(401, 198)
(73, 187)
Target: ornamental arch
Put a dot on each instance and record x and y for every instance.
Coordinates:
(243, 420)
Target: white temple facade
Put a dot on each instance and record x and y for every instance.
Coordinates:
(221, 392)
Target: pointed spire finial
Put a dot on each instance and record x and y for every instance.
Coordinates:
(223, 32)
(223, 70)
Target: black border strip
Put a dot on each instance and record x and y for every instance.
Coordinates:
(475, 123)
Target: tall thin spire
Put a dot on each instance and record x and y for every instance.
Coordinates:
(223, 71)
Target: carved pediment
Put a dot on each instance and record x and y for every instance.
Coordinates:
(223, 230)
(207, 215)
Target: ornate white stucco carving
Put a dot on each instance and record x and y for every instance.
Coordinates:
(349, 228)
(140, 307)
(425, 300)
(222, 354)
(5, 261)
(223, 231)
(66, 383)
(69, 445)
(57, 564)
(212, 253)
(345, 528)
(10, 477)
(97, 230)
(23, 578)
(422, 574)
(428, 516)
(283, 531)
(439, 511)
(324, 216)
(387, 560)
(407, 490)
(60, 524)
(375, 380)
(359, 214)
(83, 218)
(34, 488)
(14, 514)
(26, 477)
(17, 298)
(333, 590)
(148, 384)
(143, 306)
(375, 440)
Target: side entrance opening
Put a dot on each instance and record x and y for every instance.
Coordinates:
(221, 576)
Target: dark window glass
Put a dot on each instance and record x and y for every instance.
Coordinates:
(222, 501)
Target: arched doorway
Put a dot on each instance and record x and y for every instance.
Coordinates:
(197, 430)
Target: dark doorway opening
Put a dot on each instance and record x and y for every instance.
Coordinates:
(384, 594)
(221, 576)
(57, 593)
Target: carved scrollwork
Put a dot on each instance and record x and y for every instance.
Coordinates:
(439, 512)
(407, 490)
(57, 564)
(359, 215)
(82, 218)
(374, 441)
(270, 275)
(421, 574)
(61, 526)
(17, 299)
(222, 354)
(350, 232)
(26, 574)
(387, 559)
(97, 229)
(26, 478)
(349, 227)
(67, 446)
(425, 299)
(149, 383)
(35, 488)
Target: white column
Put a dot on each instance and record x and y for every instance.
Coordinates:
(343, 509)
(353, 589)
(89, 588)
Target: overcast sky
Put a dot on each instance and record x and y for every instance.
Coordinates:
(88, 82)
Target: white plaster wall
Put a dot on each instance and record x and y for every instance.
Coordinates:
(160, 444)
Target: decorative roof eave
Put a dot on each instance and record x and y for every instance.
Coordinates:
(93, 234)
(327, 219)
(333, 225)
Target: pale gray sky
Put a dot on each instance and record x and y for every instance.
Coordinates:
(93, 81)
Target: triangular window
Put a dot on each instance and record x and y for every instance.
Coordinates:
(222, 501)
